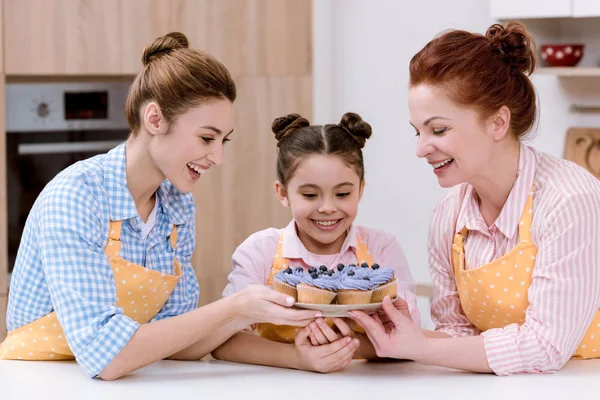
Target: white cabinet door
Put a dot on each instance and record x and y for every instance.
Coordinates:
(586, 8)
(508, 9)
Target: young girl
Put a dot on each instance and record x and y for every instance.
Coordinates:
(514, 246)
(321, 179)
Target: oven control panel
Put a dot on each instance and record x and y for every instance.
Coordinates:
(66, 106)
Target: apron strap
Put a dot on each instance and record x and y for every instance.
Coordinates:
(526, 219)
(113, 245)
(362, 252)
(279, 263)
(173, 237)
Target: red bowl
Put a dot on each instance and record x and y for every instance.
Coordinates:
(562, 55)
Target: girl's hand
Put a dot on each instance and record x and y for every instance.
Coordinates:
(330, 357)
(321, 333)
(397, 337)
(258, 303)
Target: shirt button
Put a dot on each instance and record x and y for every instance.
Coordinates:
(133, 222)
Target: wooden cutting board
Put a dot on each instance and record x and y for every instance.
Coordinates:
(583, 147)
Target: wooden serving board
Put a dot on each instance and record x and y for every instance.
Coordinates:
(582, 146)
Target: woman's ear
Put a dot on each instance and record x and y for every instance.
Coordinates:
(500, 123)
(281, 194)
(154, 121)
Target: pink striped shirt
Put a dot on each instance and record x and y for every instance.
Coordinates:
(565, 290)
(253, 259)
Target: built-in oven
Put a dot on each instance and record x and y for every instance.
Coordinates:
(50, 126)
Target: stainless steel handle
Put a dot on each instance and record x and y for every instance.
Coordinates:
(66, 147)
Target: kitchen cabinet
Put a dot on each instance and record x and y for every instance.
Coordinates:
(90, 37)
(519, 9)
(510, 9)
(586, 8)
(62, 37)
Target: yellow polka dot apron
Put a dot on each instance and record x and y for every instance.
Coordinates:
(495, 295)
(141, 293)
(286, 333)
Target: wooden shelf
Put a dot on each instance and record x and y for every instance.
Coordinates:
(583, 72)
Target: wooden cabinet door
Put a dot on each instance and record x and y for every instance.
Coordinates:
(57, 37)
(3, 200)
(145, 20)
(586, 8)
(507, 9)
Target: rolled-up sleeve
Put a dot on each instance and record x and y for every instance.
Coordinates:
(81, 283)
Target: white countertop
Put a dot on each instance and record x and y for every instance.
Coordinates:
(361, 380)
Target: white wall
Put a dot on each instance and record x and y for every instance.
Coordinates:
(362, 49)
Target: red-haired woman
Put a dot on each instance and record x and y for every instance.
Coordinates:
(514, 246)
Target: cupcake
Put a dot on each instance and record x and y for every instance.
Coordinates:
(354, 287)
(317, 288)
(286, 281)
(384, 282)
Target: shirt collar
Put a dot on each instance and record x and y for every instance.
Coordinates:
(121, 204)
(292, 246)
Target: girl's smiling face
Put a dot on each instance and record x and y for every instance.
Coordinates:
(323, 194)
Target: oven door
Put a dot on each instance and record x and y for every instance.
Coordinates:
(35, 158)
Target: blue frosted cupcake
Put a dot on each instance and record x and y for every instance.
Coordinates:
(354, 287)
(286, 281)
(384, 281)
(317, 288)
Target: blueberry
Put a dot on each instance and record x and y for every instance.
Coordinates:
(352, 266)
(375, 266)
(366, 278)
(288, 270)
(298, 269)
(340, 267)
(323, 268)
(350, 273)
(314, 275)
(330, 272)
(364, 265)
(312, 270)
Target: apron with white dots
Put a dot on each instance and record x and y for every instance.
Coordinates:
(495, 294)
(141, 293)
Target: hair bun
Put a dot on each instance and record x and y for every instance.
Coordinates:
(357, 127)
(285, 125)
(514, 45)
(164, 45)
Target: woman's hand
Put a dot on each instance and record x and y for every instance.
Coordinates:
(321, 333)
(400, 305)
(393, 334)
(328, 357)
(258, 303)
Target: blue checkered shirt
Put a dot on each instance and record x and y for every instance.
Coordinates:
(61, 265)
